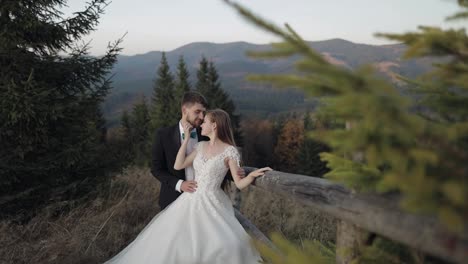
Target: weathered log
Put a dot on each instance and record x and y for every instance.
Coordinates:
(349, 241)
(380, 214)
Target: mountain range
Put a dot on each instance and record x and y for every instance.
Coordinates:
(134, 75)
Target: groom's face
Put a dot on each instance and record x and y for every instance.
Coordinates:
(194, 113)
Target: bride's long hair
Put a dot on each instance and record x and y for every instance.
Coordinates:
(223, 125)
(224, 132)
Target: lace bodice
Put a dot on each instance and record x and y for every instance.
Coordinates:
(210, 172)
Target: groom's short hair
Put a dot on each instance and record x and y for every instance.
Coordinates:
(193, 97)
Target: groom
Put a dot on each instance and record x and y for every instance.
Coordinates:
(166, 144)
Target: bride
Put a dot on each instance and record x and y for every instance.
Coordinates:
(199, 227)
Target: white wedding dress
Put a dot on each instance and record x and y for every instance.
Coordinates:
(198, 227)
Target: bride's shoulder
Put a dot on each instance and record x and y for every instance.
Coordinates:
(231, 153)
(228, 146)
(231, 150)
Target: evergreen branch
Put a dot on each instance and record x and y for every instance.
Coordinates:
(83, 22)
(460, 15)
(399, 150)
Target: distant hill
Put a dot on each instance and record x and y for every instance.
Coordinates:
(134, 74)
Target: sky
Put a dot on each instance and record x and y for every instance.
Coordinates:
(164, 25)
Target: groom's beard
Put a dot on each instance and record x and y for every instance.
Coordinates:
(196, 123)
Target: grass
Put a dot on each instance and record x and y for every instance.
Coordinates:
(94, 231)
(276, 213)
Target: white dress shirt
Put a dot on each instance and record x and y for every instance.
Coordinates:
(189, 171)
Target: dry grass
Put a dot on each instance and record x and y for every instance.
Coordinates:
(90, 233)
(277, 213)
(93, 232)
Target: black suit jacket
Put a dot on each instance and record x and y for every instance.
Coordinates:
(166, 144)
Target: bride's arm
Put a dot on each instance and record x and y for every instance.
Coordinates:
(183, 161)
(241, 183)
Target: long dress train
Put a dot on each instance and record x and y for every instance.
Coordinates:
(198, 227)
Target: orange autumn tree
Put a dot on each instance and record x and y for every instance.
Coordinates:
(289, 144)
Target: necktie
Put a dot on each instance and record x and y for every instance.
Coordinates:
(193, 134)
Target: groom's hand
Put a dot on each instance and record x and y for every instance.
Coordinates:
(189, 186)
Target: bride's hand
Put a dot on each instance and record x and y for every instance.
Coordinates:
(187, 128)
(259, 172)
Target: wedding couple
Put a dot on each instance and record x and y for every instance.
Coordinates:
(197, 222)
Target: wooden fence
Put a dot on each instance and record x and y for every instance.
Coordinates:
(362, 214)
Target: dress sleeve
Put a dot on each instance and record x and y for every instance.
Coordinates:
(233, 153)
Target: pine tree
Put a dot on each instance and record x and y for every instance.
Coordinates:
(308, 123)
(258, 143)
(220, 99)
(209, 85)
(140, 123)
(163, 105)
(202, 85)
(101, 125)
(182, 83)
(51, 125)
(309, 162)
(421, 155)
(125, 124)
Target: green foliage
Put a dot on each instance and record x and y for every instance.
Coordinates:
(308, 122)
(135, 132)
(309, 162)
(202, 86)
(137, 128)
(259, 143)
(164, 106)
(182, 84)
(288, 253)
(125, 123)
(140, 132)
(386, 251)
(422, 155)
(51, 127)
(209, 85)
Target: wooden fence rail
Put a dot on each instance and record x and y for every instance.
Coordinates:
(358, 213)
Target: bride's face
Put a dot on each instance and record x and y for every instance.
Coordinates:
(207, 127)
